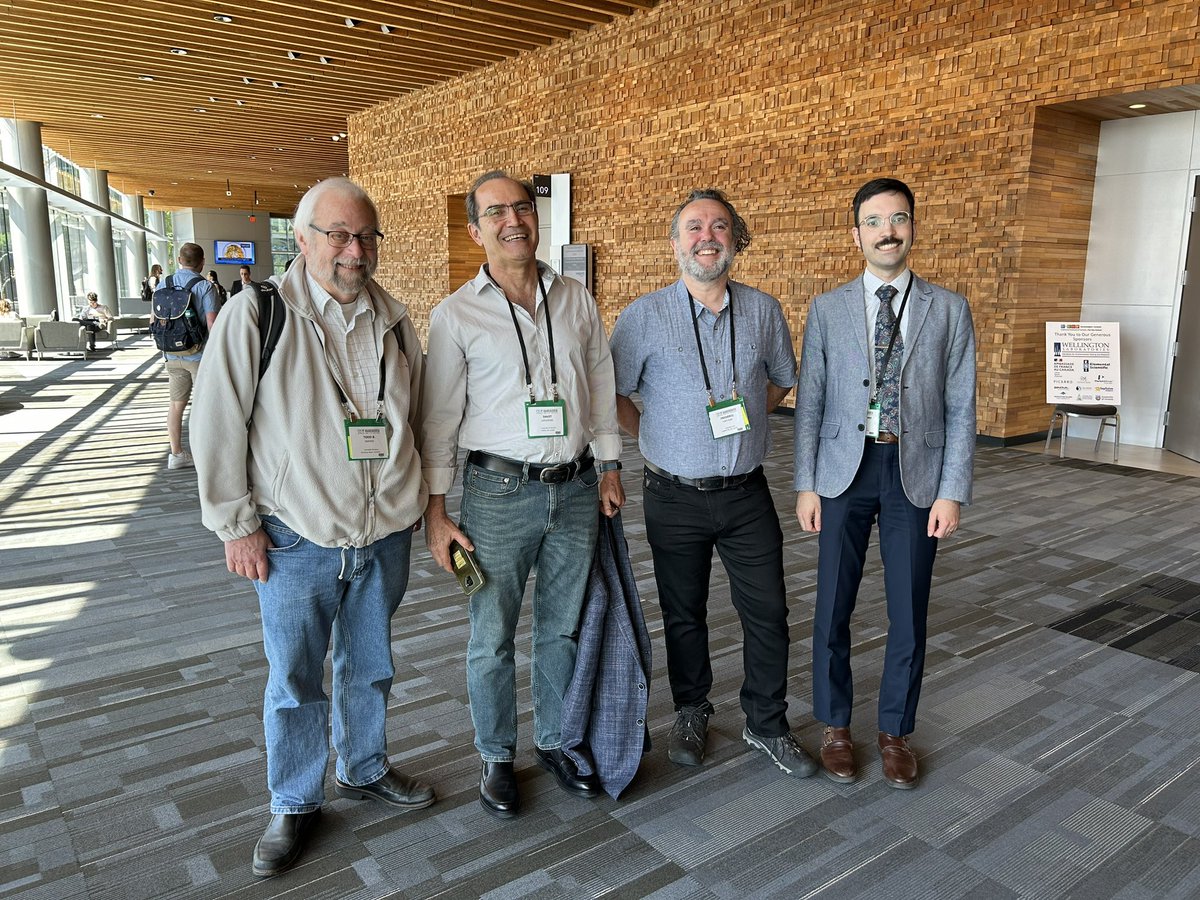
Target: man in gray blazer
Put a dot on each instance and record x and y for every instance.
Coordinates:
(885, 428)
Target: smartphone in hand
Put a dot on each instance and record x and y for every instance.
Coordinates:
(466, 570)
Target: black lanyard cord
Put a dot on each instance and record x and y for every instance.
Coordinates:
(887, 354)
(521, 338)
(700, 348)
(341, 393)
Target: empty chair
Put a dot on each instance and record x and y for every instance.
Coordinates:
(1108, 416)
(59, 337)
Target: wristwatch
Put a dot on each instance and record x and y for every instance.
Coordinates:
(608, 465)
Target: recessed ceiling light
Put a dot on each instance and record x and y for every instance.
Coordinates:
(342, 133)
(247, 80)
(386, 29)
(350, 23)
(199, 109)
(292, 54)
(174, 182)
(1137, 105)
(97, 115)
(221, 17)
(213, 100)
(276, 84)
(240, 102)
(281, 149)
(145, 78)
(336, 137)
(325, 60)
(179, 51)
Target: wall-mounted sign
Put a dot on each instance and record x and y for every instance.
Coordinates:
(1083, 362)
(541, 185)
(577, 263)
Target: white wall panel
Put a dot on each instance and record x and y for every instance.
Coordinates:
(1146, 144)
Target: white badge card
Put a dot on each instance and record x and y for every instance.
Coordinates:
(546, 418)
(728, 417)
(873, 420)
(367, 439)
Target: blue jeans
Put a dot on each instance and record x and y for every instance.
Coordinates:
(517, 526)
(313, 593)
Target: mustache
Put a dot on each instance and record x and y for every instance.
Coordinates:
(707, 245)
(887, 242)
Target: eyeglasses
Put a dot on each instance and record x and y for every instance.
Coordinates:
(898, 220)
(368, 240)
(524, 208)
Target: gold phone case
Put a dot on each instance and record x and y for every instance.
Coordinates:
(466, 570)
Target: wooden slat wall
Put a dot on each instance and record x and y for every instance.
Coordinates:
(789, 107)
(465, 256)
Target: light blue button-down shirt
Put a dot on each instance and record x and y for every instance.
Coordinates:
(654, 354)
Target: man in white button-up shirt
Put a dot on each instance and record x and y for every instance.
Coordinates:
(519, 375)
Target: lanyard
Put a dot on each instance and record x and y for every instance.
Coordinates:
(549, 335)
(382, 380)
(887, 354)
(700, 349)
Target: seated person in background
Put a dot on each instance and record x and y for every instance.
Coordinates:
(6, 309)
(94, 317)
(222, 294)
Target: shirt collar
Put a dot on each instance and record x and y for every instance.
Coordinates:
(321, 299)
(483, 281)
(872, 282)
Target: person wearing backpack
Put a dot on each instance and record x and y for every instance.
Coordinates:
(151, 282)
(183, 366)
(308, 471)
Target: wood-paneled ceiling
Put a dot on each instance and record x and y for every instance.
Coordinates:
(257, 100)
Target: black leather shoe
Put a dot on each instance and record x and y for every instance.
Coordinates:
(567, 774)
(498, 789)
(283, 841)
(394, 789)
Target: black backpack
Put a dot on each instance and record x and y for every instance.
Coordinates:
(178, 327)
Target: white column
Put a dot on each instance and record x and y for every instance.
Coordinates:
(158, 249)
(33, 255)
(101, 274)
(136, 266)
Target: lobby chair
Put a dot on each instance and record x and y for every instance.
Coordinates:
(59, 337)
(1108, 416)
(15, 338)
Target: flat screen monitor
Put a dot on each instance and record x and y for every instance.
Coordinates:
(235, 253)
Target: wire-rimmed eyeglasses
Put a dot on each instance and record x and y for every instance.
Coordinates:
(368, 240)
(898, 220)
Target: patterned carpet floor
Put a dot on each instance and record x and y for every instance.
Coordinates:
(1059, 728)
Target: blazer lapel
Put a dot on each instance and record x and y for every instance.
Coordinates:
(922, 293)
(856, 311)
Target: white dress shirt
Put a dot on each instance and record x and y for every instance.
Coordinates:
(475, 390)
(353, 343)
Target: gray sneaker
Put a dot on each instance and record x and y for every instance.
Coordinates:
(785, 751)
(685, 746)
(181, 460)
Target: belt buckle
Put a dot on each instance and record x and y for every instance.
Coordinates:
(560, 474)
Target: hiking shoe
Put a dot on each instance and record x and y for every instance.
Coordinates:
(785, 751)
(685, 745)
(179, 460)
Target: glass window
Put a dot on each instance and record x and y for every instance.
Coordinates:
(8, 284)
(283, 244)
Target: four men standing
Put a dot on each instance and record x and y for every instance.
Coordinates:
(337, 460)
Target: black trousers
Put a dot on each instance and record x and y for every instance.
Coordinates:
(683, 525)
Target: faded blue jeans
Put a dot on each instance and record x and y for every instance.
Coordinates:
(518, 526)
(314, 593)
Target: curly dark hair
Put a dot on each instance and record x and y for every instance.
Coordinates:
(741, 233)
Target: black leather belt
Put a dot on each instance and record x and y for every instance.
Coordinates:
(886, 438)
(716, 483)
(546, 474)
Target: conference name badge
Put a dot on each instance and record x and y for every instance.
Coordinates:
(546, 418)
(366, 438)
(728, 417)
(873, 420)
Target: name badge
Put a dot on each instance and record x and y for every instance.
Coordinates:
(873, 420)
(546, 418)
(366, 439)
(728, 417)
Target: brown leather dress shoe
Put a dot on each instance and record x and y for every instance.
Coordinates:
(899, 762)
(837, 755)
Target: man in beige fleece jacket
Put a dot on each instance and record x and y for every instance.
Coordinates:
(316, 502)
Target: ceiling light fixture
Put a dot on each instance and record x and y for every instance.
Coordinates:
(199, 109)
(1137, 105)
(221, 17)
(276, 84)
(292, 54)
(350, 23)
(97, 115)
(145, 78)
(179, 51)
(240, 102)
(324, 60)
(256, 198)
(343, 134)
(386, 29)
(213, 100)
(246, 80)
(228, 188)
(332, 138)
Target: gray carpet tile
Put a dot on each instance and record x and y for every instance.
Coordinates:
(1059, 727)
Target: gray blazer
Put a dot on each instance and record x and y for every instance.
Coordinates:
(937, 396)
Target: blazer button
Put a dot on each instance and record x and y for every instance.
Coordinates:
(866, 382)
(862, 427)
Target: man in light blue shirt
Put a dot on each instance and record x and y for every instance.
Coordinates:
(711, 358)
(181, 370)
